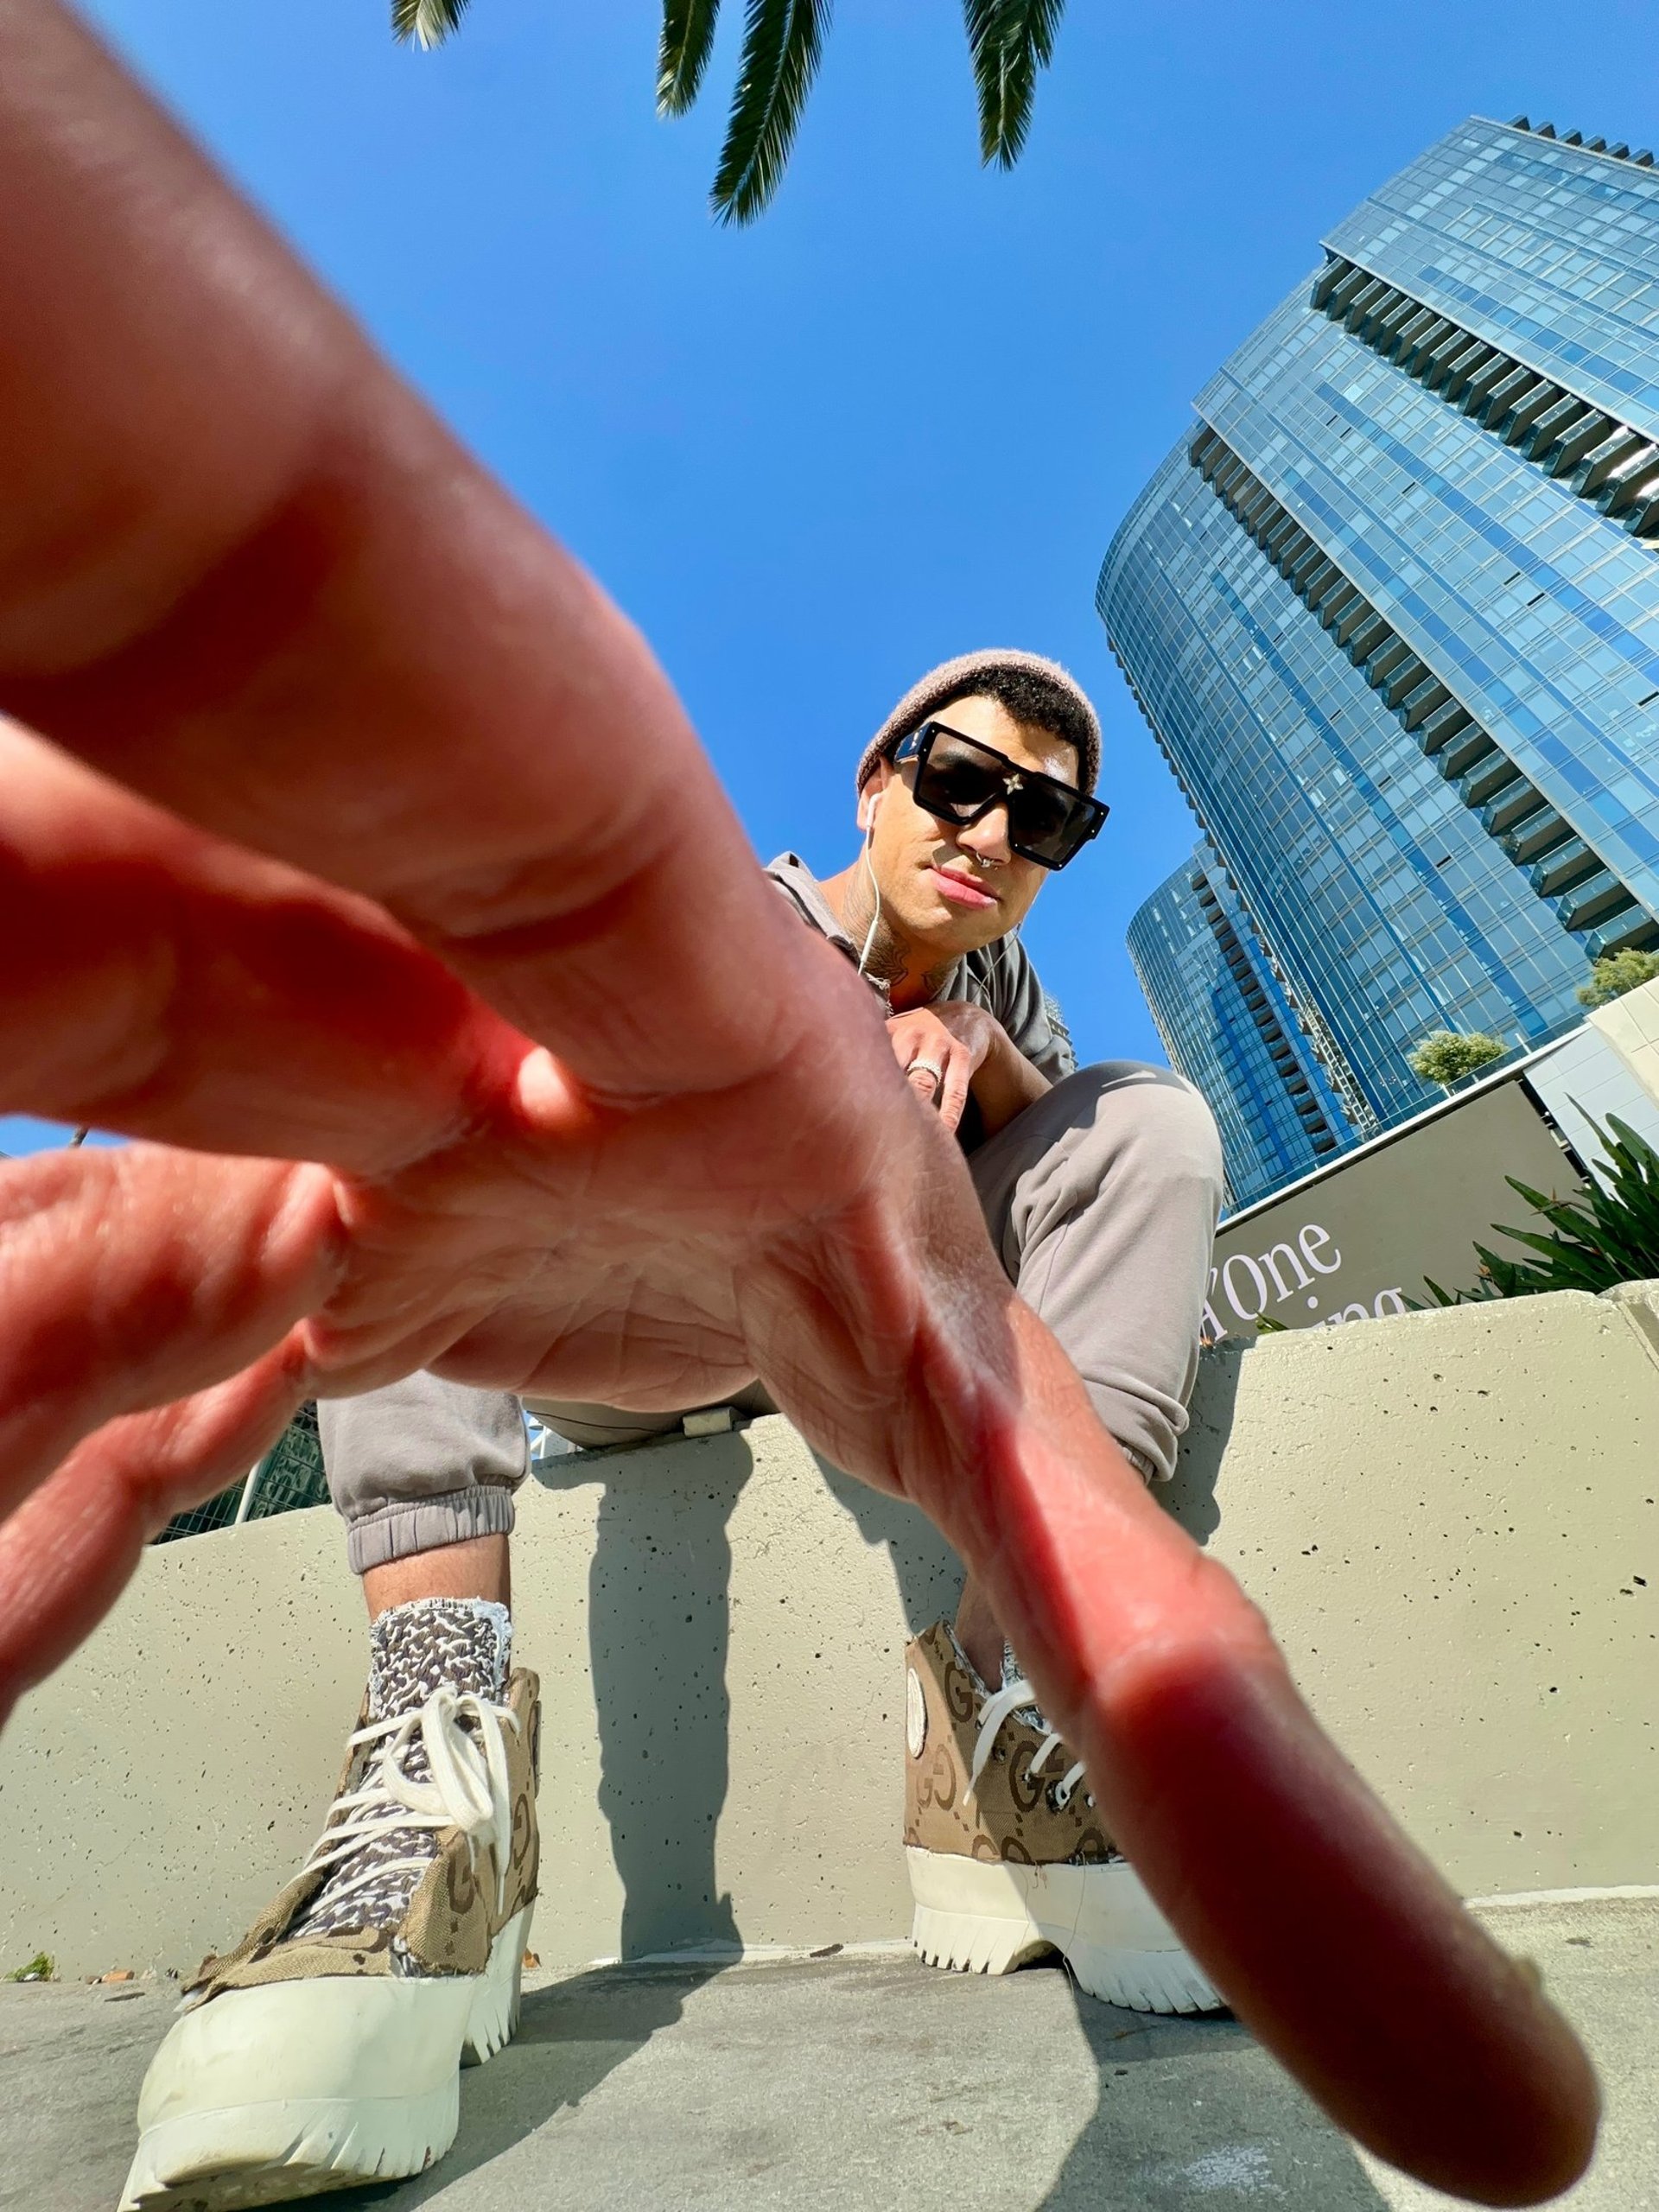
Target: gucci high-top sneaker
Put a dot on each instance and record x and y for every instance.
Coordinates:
(324, 2050)
(1008, 1856)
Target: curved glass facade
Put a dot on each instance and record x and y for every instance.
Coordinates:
(1392, 611)
(1227, 1026)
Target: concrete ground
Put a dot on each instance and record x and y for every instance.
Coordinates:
(861, 2080)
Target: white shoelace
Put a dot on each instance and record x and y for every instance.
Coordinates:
(997, 1708)
(469, 1788)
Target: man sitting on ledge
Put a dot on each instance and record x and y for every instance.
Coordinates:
(359, 860)
(1100, 1186)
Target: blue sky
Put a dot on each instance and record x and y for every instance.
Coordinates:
(902, 415)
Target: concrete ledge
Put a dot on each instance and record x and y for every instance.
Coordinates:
(1444, 1516)
(719, 1630)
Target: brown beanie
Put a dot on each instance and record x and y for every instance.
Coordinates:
(954, 679)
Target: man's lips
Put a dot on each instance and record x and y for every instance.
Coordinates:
(961, 890)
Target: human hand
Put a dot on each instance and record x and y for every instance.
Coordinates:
(358, 876)
(941, 1048)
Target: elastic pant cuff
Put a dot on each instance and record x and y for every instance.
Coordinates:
(427, 1524)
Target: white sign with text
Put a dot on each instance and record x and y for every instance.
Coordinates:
(1360, 1241)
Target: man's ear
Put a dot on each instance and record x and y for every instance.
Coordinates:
(871, 796)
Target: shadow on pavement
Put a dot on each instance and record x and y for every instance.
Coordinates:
(1192, 2112)
(570, 2037)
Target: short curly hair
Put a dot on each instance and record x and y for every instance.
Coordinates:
(1038, 693)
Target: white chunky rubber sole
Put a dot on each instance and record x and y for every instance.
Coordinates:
(261, 2095)
(981, 1917)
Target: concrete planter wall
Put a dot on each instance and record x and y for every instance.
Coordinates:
(1448, 1516)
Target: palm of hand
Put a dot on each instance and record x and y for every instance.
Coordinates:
(391, 865)
(660, 1255)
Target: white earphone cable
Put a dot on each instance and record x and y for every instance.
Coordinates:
(875, 888)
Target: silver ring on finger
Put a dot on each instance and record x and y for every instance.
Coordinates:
(926, 1067)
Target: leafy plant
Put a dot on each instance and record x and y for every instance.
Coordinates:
(1615, 973)
(1009, 41)
(39, 1969)
(426, 22)
(783, 44)
(1607, 1234)
(1446, 1054)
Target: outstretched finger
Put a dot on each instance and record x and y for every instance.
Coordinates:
(1329, 1932)
(246, 571)
(130, 1278)
(165, 984)
(68, 1550)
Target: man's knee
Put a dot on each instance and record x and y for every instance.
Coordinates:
(1147, 1124)
(1110, 1237)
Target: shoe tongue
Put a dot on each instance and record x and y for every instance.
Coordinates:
(1013, 1672)
(461, 1643)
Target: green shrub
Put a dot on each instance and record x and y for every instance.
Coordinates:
(1446, 1054)
(1615, 973)
(1603, 1237)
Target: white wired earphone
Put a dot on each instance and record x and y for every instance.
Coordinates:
(869, 870)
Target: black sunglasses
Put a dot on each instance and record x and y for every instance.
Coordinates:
(960, 780)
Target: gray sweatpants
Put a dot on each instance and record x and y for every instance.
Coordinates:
(1102, 1199)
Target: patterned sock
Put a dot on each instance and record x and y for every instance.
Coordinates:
(417, 1649)
(414, 1650)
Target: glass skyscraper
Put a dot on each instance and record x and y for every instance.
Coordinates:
(1227, 1024)
(1392, 612)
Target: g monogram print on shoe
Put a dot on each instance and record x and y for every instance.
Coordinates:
(1011, 1814)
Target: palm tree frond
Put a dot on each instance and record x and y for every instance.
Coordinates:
(426, 22)
(1009, 41)
(683, 51)
(783, 42)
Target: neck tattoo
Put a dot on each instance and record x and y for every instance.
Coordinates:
(887, 965)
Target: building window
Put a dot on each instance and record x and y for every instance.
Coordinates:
(1588, 899)
(1593, 454)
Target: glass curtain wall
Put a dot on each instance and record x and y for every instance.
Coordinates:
(1229, 1027)
(1392, 608)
